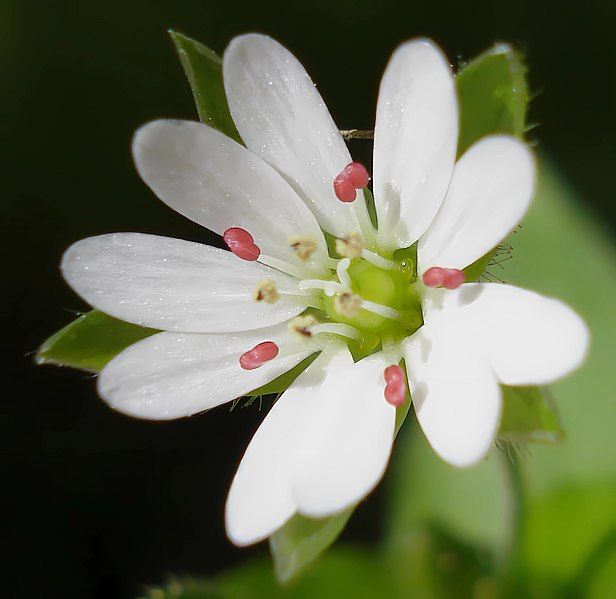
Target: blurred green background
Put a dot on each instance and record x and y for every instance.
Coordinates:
(99, 505)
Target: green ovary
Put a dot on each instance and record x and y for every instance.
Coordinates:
(392, 288)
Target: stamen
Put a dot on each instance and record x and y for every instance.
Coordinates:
(266, 292)
(301, 326)
(347, 304)
(395, 388)
(352, 177)
(241, 243)
(350, 246)
(304, 246)
(258, 355)
(377, 260)
(450, 278)
(341, 271)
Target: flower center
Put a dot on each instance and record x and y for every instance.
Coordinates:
(381, 304)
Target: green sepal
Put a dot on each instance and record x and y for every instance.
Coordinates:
(371, 207)
(284, 381)
(203, 68)
(90, 341)
(493, 96)
(301, 540)
(529, 416)
(473, 271)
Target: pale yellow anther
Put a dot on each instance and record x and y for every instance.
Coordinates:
(347, 304)
(300, 326)
(304, 246)
(350, 246)
(266, 292)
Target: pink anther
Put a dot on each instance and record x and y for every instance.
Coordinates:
(395, 389)
(258, 355)
(450, 278)
(241, 243)
(344, 189)
(353, 176)
(357, 174)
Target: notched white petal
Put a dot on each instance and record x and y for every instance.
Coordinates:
(526, 338)
(175, 285)
(260, 499)
(322, 447)
(490, 191)
(171, 375)
(416, 135)
(219, 184)
(282, 118)
(455, 396)
(345, 441)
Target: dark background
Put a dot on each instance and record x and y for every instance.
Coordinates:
(97, 504)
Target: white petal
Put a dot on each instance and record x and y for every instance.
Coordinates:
(526, 338)
(320, 449)
(216, 182)
(261, 499)
(174, 285)
(173, 375)
(346, 437)
(456, 398)
(490, 191)
(416, 134)
(282, 118)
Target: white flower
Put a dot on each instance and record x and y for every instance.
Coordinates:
(232, 325)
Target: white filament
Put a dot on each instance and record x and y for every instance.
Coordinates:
(281, 265)
(377, 260)
(336, 328)
(343, 275)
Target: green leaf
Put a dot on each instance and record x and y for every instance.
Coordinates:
(301, 540)
(493, 96)
(566, 527)
(529, 415)
(342, 573)
(90, 341)
(203, 68)
(431, 563)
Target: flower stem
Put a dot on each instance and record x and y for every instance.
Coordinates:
(513, 560)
